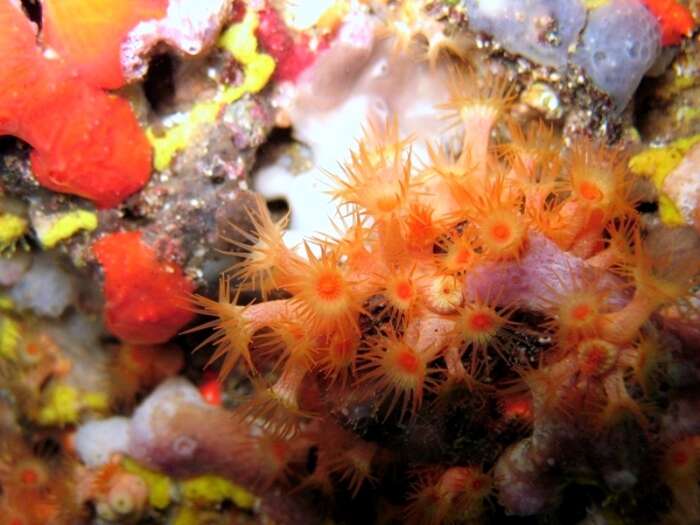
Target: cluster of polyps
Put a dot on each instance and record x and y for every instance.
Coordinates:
(454, 245)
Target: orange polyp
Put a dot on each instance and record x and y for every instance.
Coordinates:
(323, 295)
(681, 460)
(501, 232)
(388, 201)
(590, 191)
(396, 373)
(264, 254)
(501, 227)
(600, 181)
(459, 251)
(576, 305)
(445, 294)
(399, 290)
(455, 495)
(474, 100)
(481, 326)
(519, 407)
(581, 312)
(408, 361)
(377, 178)
(329, 286)
(277, 407)
(481, 321)
(29, 477)
(404, 290)
(232, 334)
(30, 474)
(596, 357)
(405, 362)
(463, 257)
(422, 228)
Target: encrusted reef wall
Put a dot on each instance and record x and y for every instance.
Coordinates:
(349, 261)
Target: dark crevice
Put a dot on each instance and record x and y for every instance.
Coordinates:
(159, 84)
(647, 207)
(278, 207)
(32, 8)
(268, 152)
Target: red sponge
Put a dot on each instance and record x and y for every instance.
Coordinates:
(145, 298)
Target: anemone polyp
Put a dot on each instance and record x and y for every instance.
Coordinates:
(599, 179)
(502, 234)
(337, 357)
(596, 357)
(478, 324)
(445, 294)
(232, 334)
(263, 253)
(453, 496)
(396, 372)
(401, 292)
(323, 295)
(31, 474)
(578, 313)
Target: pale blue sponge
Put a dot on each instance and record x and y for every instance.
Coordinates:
(615, 44)
(522, 26)
(621, 42)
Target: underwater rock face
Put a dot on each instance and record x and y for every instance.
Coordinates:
(496, 325)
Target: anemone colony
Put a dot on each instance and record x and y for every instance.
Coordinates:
(424, 290)
(495, 329)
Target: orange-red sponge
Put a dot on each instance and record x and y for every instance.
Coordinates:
(143, 295)
(675, 20)
(86, 142)
(87, 34)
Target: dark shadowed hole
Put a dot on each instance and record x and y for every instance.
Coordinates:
(270, 149)
(312, 459)
(33, 10)
(48, 448)
(10, 145)
(159, 84)
(647, 207)
(278, 207)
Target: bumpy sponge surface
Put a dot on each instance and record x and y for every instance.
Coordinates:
(540, 30)
(615, 43)
(620, 43)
